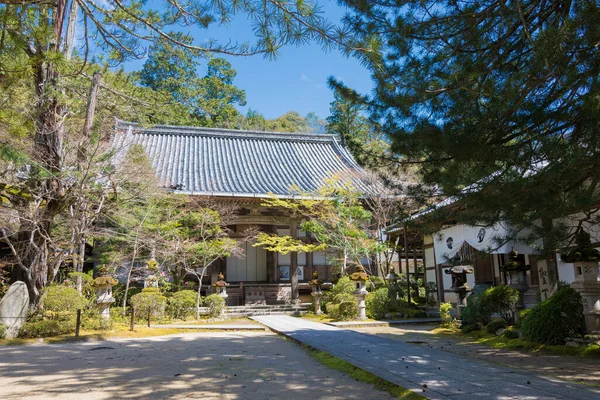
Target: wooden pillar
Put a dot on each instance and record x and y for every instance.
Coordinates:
(294, 261)
(416, 270)
(310, 269)
(272, 260)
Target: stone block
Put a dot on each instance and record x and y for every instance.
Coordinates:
(13, 308)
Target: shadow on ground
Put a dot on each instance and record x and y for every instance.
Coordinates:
(240, 365)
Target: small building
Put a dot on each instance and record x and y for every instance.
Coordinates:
(486, 249)
(242, 169)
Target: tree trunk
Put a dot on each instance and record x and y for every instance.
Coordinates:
(294, 262)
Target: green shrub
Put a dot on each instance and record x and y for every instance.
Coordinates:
(378, 303)
(344, 285)
(92, 320)
(46, 328)
(501, 300)
(445, 309)
(119, 292)
(511, 333)
(343, 307)
(470, 328)
(182, 304)
(149, 301)
(374, 283)
(63, 300)
(2, 331)
(475, 312)
(557, 318)
(87, 289)
(216, 305)
(496, 324)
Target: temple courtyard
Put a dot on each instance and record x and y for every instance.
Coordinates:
(263, 364)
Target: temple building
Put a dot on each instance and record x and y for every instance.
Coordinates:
(242, 168)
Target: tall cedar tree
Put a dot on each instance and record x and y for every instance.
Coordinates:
(40, 36)
(497, 102)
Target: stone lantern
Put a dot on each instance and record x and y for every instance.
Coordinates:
(152, 278)
(316, 293)
(221, 286)
(587, 279)
(459, 284)
(359, 277)
(515, 276)
(103, 285)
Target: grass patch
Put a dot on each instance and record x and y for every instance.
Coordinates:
(501, 342)
(119, 331)
(364, 376)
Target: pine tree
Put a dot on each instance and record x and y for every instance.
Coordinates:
(500, 98)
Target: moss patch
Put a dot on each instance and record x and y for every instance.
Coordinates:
(502, 342)
(363, 376)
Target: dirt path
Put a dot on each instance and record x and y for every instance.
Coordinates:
(576, 369)
(207, 365)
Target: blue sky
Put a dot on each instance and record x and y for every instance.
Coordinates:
(296, 80)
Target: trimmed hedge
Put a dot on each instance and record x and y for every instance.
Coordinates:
(378, 303)
(496, 324)
(150, 300)
(475, 312)
(63, 299)
(554, 320)
(343, 307)
(216, 305)
(182, 304)
(46, 328)
(501, 300)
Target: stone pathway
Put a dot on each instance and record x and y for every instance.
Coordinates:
(566, 367)
(432, 373)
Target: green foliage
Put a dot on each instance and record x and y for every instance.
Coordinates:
(519, 76)
(343, 285)
(555, 319)
(216, 305)
(348, 119)
(150, 300)
(475, 313)
(92, 320)
(378, 303)
(584, 250)
(59, 299)
(2, 331)
(445, 309)
(501, 300)
(375, 282)
(119, 292)
(496, 324)
(87, 289)
(46, 328)
(470, 328)
(182, 304)
(343, 307)
(511, 333)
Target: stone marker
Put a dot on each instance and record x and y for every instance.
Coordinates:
(13, 308)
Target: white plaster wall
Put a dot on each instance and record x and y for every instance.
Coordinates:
(565, 271)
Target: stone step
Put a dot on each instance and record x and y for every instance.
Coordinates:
(263, 313)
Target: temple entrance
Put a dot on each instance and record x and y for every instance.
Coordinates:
(251, 268)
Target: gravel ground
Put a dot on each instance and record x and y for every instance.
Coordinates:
(207, 365)
(576, 369)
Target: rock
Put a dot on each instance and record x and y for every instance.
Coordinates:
(500, 331)
(389, 315)
(13, 308)
(572, 344)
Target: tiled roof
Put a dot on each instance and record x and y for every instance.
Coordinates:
(225, 162)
